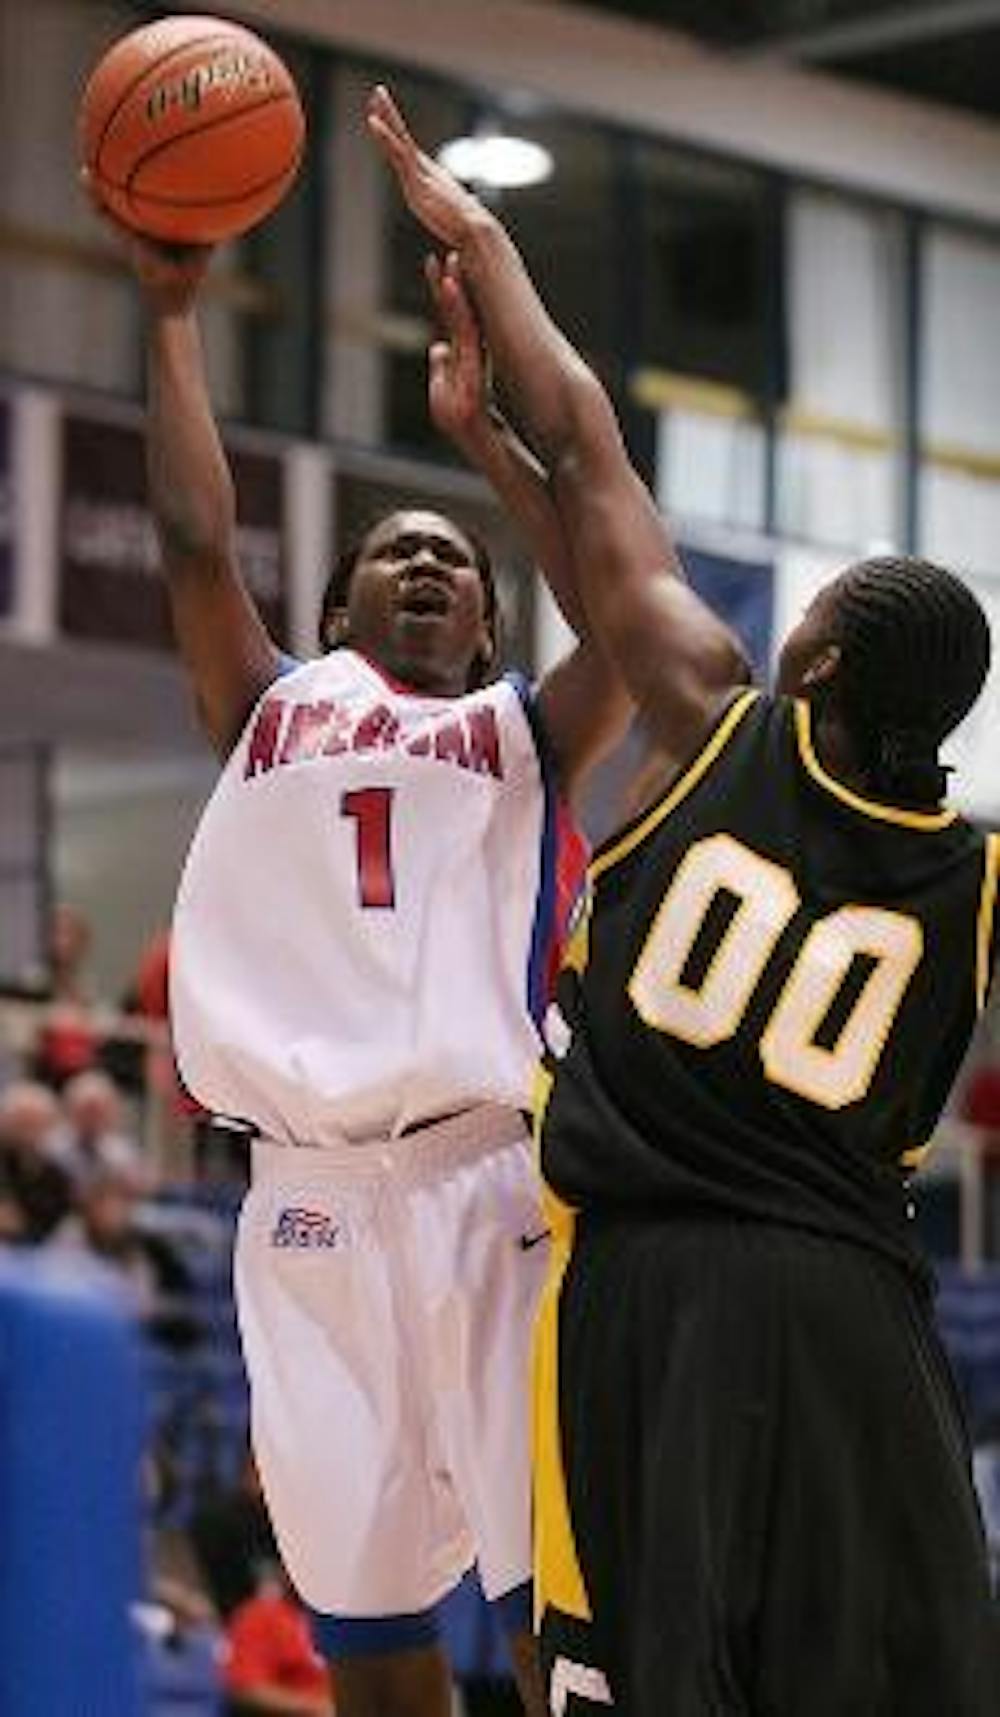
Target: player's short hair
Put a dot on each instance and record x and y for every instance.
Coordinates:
(915, 653)
(338, 587)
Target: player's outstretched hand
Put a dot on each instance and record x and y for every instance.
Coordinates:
(437, 199)
(168, 274)
(457, 381)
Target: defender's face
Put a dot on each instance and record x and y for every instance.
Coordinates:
(416, 603)
(807, 653)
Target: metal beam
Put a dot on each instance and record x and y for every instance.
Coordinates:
(891, 27)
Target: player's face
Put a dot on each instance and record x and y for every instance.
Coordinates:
(416, 603)
(810, 653)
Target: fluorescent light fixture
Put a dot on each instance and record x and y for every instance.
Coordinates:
(494, 159)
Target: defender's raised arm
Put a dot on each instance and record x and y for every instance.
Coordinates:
(679, 661)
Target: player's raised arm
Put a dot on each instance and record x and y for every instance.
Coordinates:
(586, 706)
(678, 660)
(220, 635)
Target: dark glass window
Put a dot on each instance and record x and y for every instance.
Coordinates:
(564, 227)
(703, 263)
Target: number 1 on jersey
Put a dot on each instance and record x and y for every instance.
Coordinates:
(370, 808)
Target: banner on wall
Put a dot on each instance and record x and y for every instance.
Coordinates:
(111, 586)
(6, 511)
(742, 593)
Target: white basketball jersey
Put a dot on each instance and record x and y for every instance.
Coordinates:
(361, 927)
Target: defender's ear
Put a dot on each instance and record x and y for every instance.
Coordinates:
(822, 669)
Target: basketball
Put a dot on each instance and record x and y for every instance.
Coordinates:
(191, 129)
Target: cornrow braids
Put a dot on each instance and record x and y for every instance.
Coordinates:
(338, 586)
(915, 652)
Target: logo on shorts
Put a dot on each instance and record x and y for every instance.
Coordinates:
(304, 1230)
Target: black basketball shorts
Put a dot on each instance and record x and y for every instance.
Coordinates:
(753, 1498)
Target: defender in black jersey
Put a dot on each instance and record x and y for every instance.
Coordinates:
(753, 1495)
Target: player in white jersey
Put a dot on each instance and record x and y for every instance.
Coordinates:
(359, 963)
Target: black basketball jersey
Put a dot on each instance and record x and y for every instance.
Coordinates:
(768, 993)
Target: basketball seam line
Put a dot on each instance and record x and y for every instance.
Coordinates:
(209, 125)
(136, 199)
(154, 66)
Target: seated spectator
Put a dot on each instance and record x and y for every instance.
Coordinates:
(270, 1666)
(68, 1039)
(37, 1193)
(93, 1135)
(104, 1229)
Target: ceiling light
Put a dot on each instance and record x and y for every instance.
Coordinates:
(492, 158)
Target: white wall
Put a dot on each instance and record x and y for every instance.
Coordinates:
(122, 827)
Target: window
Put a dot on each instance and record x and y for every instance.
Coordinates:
(959, 486)
(840, 450)
(704, 353)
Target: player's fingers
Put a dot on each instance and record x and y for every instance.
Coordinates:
(383, 107)
(457, 310)
(438, 363)
(385, 125)
(380, 134)
(432, 274)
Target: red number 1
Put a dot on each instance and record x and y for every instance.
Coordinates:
(371, 808)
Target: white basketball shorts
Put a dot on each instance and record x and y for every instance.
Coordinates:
(386, 1295)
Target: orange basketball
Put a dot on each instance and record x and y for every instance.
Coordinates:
(192, 129)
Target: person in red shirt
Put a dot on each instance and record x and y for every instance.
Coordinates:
(270, 1666)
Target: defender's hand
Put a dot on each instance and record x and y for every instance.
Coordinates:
(169, 275)
(437, 199)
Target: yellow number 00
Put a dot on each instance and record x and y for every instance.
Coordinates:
(710, 1012)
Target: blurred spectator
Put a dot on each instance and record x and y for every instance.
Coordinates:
(69, 945)
(142, 1060)
(11, 1216)
(93, 1136)
(986, 1472)
(270, 1666)
(980, 1106)
(104, 1230)
(981, 1098)
(68, 1038)
(233, 1541)
(148, 1060)
(36, 1192)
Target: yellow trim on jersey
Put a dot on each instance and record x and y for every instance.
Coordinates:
(917, 1155)
(690, 778)
(926, 820)
(576, 950)
(559, 1581)
(984, 926)
(541, 1090)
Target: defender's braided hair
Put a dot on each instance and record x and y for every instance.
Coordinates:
(339, 583)
(915, 651)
